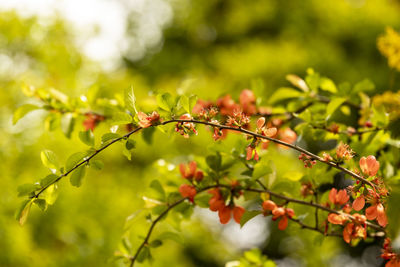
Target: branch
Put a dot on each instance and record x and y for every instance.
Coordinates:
(153, 224)
(247, 132)
(295, 147)
(305, 226)
(86, 160)
(288, 199)
(347, 132)
(312, 204)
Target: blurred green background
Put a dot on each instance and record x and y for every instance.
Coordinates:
(208, 48)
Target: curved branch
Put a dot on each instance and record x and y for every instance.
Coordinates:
(315, 228)
(288, 199)
(86, 160)
(247, 132)
(295, 147)
(153, 224)
(312, 204)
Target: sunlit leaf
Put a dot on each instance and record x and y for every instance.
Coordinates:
(50, 194)
(67, 124)
(333, 105)
(157, 187)
(165, 101)
(298, 82)
(21, 215)
(171, 236)
(130, 100)
(41, 203)
(293, 175)
(283, 94)
(109, 136)
(121, 118)
(27, 189)
(22, 111)
(87, 137)
(328, 85)
(75, 159)
(49, 159)
(261, 168)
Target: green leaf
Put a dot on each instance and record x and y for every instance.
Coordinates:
(155, 243)
(144, 254)
(156, 185)
(87, 137)
(41, 203)
(97, 164)
(363, 86)
(50, 194)
(394, 128)
(49, 179)
(328, 85)
(333, 105)
(147, 135)
(23, 211)
(318, 240)
(171, 236)
(379, 118)
(127, 153)
(261, 168)
(67, 124)
(130, 144)
(188, 102)
(77, 176)
(248, 215)
(22, 111)
(27, 189)
(283, 94)
(313, 80)
(165, 101)
(202, 200)
(109, 136)
(298, 82)
(75, 159)
(92, 94)
(121, 118)
(130, 100)
(293, 175)
(282, 186)
(214, 161)
(49, 159)
(393, 211)
(52, 122)
(306, 116)
(192, 102)
(126, 245)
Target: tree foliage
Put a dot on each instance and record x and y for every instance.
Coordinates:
(119, 137)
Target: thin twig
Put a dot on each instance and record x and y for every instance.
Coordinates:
(287, 199)
(153, 224)
(295, 147)
(305, 226)
(86, 160)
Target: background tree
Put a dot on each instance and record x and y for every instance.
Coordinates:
(224, 48)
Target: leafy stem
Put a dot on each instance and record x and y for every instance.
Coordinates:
(247, 132)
